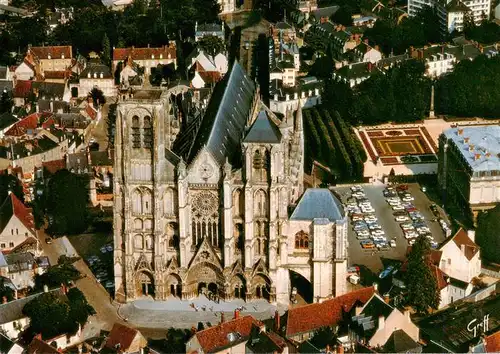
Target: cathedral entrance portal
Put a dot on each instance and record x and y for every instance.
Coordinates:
(174, 285)
(261, 287)
(205, 278)
(145, 284)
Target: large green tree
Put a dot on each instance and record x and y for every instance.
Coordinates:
(423, 292)
(6, 102)
(488, 234)
(10, 183)
(471, 90)
(6, 291)
(52, 315)
(62, 273)
(106, 50)
(66, 203)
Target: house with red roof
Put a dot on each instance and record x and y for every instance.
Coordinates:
(26, 126)
(301, 322)
(147, 58)
(52, 58)
(16, 223)
(231, 336)
(123, 339)
(21, 92)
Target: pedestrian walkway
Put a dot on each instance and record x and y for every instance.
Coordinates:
(187, 313)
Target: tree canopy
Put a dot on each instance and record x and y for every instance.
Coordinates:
(423, 292)
(11, 183)
(62, 273)
(471, 90)
(396, 38)
(487, 33)
(52, 315)
(488, 234)
(66, 203)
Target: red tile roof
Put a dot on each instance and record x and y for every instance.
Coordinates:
(22, 212)
(144, 53)
(91, 112)
(22, 88)
(50, 122)
(440, 277)
(55, 165)
(56, 74)
(492, 343)
(121, 335)
(21, 127)
(311, 317)
(55, 52)
(216, 337)
(461, 238)
(38, 346)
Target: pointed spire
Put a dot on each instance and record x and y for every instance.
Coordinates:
(298, 117)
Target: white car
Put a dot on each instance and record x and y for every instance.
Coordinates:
(370, 218)
(411, 234)
(357, 218)
(356, 188)
(402, 218)
(378, 233)
(367, 210)
(363, 233)
(408, 199)
(398, 207)
(374, 227)
(392, 243)
(407, 227)
(411, 242)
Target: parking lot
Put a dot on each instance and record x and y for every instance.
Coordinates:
(376, 225)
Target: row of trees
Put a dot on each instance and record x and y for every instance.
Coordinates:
(331, 142)
(402, 94)
(488, 224)
(138, 25)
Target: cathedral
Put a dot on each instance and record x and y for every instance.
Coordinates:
(213, 201)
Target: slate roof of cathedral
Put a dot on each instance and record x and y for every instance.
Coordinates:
(263, 130)
(224, 122)
(318, 203)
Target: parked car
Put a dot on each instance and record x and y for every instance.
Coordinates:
(373, 227)
(398, 207)
(386, 272)
(408, 199)
(363, 233)
(378, 232)
(402, 187)
(48, 240)
(401, 218)
(368, 245)
(392, 243)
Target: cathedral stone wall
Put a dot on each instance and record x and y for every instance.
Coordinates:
(193, 223)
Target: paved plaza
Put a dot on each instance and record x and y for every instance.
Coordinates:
(187, 313)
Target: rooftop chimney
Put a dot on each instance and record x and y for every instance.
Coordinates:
(471, 147)
(472, 235)
(236, 314)
(462, 248)
(375, 286)
(277, 325)
(460, 131)
(381, 322)
(477, 156)
(222, 317)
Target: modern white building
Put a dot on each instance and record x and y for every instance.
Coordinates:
(469, 167)
(452, 12)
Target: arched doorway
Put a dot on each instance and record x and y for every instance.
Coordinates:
(202, 288)
(145, 284)
(261, 287)
(302, 287)
(238, 287)
(203, 278)
(174, 285)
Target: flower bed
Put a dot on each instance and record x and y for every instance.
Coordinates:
(367, 145)
(412, 132)
(394, 133)
(375, 133)
(390, 161)
(415, 145)
(430, 140)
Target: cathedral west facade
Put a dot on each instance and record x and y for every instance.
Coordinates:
(217, 203)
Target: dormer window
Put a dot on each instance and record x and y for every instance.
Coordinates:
(161, 56)
(88, 75)
(95, 75)
(48, 56)
(102, 76)
(62, 56)
(152, 56)
(169, 56)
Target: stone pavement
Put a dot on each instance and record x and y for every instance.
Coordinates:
(187, 313)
